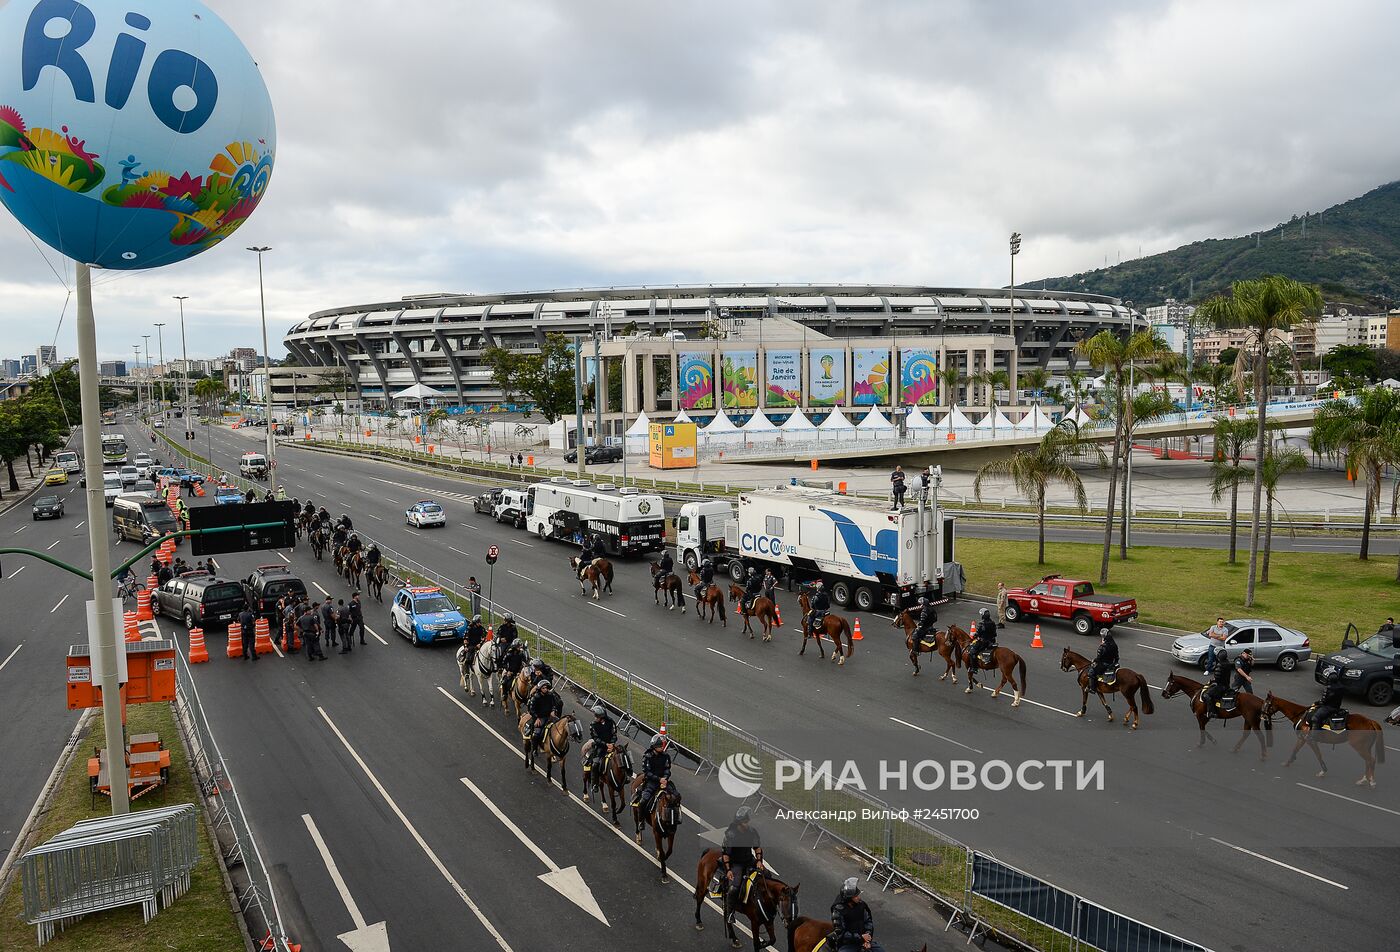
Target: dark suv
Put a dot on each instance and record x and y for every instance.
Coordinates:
(1367, 667)
(200, 600)
(269, 583)
(596, 454)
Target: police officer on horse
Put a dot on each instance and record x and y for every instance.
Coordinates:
(818, 607)
(602, 735)
(656, 772)
(740, 854)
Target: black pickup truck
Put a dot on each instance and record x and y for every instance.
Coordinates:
(1368, 667)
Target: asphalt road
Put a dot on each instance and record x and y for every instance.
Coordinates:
(1199, 842)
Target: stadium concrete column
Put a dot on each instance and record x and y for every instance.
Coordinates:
(991, 359)
(649, 395)
(675, 381)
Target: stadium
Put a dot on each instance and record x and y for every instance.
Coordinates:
(436, 341)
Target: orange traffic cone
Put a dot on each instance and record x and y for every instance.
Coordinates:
(1035, 641)
(235, 640)
(143, 607)
(777, 613)
(152, 582)
(131, 629)
(199, 652)
(662, 731)
(262, 637)
(972, 630)
(855, 634)
(198, 489)
(490, 633)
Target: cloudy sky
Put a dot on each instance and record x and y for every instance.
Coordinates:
(428, 145)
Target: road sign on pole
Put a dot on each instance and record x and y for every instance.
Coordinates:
(492, 554)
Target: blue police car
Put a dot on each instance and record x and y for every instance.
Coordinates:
(423, 615)
(425, 512)
(227, 496)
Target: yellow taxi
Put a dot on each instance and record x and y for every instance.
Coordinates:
(55, 477)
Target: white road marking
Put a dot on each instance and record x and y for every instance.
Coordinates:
(323, 591)
(80, 525)
(596, 605)
(1026, 700)
(374, 517)
(414, 531)
(60, 602)
(284, 558)
(925, 730)
(1295, 869)
(339, 880)
(418, 838)
(1152, 647)
(20, 529)
(18, 570)
(732, 658)
(568, 882)
(465, 526)
(376, 635)
(365, 491)
(11, 655)
(1349, 799)
(459, 551)
(53, 543)
(525, 577)
(528, 545)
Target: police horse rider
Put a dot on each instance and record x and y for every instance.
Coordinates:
(656, 773)
(818, 607)
(985, 640)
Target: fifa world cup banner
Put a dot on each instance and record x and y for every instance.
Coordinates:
(739, 377)
(826, 377)
(871, 374)
(697, 383)
(918, 377)
(783, 386)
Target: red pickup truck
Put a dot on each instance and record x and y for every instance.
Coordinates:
(1058, 597)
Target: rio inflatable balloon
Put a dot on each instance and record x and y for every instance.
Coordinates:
(133, 134)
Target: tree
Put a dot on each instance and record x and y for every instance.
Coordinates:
(1112, 354)
(1228, 356)
(950, 378)
(209, 392)
(1075, 380)
(547, 377)
(1036, 380)
(1032, 471)
(1351, 360)
(1218, 377)
(1232, 435)
(1278, 462)
(1364, 435)
(1262, 307)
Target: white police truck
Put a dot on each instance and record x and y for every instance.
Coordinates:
(630, 522)
(867, 554)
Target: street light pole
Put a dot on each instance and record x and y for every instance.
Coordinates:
(267, 376)
(136, 363)
(1011, 317)
(160, 343)
(185, 356)
(150, 391)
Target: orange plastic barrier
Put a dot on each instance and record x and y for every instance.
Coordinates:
(262, 637)
(199, 652)
(131, 629)
(143, 607)
(235, 640)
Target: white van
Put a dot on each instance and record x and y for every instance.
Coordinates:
(111, 486)
(252, 466)
(68, 460)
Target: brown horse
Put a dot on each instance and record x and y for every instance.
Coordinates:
(320, 538)
(1127, 682)
(711, 598)
(354, 567)
(557, 739)
(517, 692)
(598, 573)
(763, 609)
(611, 782)
(375, 578)
(670, 585)
(1003, 659)
(761, 902)
(1247, 707)
(338, 557)
(1363, 734)
(941, 642)
(833, 626)
(664, 817)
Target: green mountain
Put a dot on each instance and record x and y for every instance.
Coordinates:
(1351, 250)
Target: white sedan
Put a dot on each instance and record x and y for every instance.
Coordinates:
(425, 512)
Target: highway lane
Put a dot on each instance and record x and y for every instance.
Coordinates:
(1160, 792)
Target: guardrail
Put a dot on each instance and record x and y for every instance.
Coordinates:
(899, 850)
(232, 832)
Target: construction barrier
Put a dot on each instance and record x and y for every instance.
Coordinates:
(143, 607)
(262, 637)
(199, 652)
(199, 490)
(131, 629)
(235, 640)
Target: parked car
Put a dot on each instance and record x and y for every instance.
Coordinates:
(48, 507)
(510, 508)
(485, 503)
(189, 477)
(1368, 667)
(595, 454)
(425, 512)
(423, 615)
(1272, 643)
(1074, 600)
(158, 424)
(268, 583)
(200, 600)
(56, 477)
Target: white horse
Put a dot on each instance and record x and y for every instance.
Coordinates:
(486, 671)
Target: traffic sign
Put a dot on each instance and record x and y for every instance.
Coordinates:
(492, 554)
(274, 520)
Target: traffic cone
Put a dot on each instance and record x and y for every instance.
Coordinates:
(235, 640)
(143, 607)
(199, 652)
(490, 633)
(199, 489)
(972, 630)
(856, 635)
(262, 637)
(152, 581)
(131, 629)
(778, 613)
(1035, 641)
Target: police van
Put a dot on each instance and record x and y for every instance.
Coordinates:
(629, 522)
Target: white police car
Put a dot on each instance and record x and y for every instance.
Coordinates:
(423, 615)
(425, 512)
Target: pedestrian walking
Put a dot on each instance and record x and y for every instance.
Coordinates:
(342, 620)
(357, 618)
(246, 620)
(897, 486)
(474, 592)
(1001, 603)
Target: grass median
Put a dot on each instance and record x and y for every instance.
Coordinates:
(1315, 592)
(199, 921)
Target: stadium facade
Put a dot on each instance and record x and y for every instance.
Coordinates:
(438, 340)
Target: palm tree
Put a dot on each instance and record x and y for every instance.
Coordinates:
(1113, 354)
(209, 392)
(1232, 435)
(1036, 379)
(1278, 462)
(950, 378)
(1365, 435)
(1032, 471)
(1263, 307)
(1142, 408)
(1075, 379)
(1217, 376)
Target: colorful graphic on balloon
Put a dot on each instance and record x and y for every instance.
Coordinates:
(133, 134)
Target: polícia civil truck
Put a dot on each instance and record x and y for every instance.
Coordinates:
(867, 554)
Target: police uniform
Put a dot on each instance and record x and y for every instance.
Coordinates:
(544, 707)
(664, 567)
(246, 619)
(740, 853)
(819, 605)
(601, 733)
(1105, 661)
(656, 766)
(507, 634)
(851, 922)
(1329, 706)
(752, 589)
(707, 577)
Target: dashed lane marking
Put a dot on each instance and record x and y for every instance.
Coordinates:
(376, 635)
(53, 543)
(284, 558)
(18, 570)
(459, 551)
(732, 658)
(20, 529)
(1361, 803)
(11, 655)
(80, 525)
(374, 517)
(596, 605)
(60, 602)
(528, 545)
(322, 588)
(1152, 647)
(525, 577)
(1280, 863)
(925, 730)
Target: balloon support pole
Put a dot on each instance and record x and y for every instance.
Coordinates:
(100, 544)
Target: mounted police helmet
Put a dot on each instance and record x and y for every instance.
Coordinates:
(537, 664)
(656, 741)
(850, 889)
(599, 710)
(509, 617)
(922, 601)
(743, 815)
(986, 615)
(476, 618)
(545, 686)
